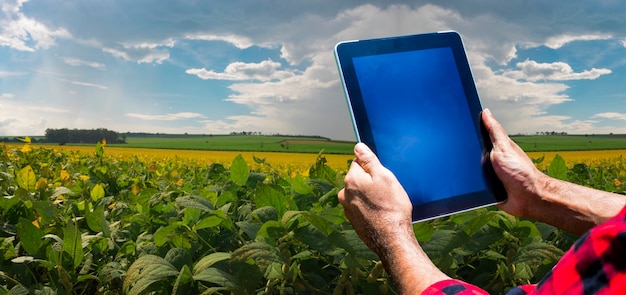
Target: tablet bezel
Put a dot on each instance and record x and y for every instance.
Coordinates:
(344, 54)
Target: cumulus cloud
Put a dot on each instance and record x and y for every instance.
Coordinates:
(266, 70)
(296, 88)
(23, 33)
(166, 117)
(556, 71)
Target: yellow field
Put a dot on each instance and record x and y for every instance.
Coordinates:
(292, 162)
(299, 162)
(574, 157)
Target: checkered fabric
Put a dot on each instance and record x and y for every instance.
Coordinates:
(596, 264)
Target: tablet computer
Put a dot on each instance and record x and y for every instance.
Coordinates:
(413, 101)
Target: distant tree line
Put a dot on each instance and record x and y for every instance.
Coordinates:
(64, 136)
(550, 133)
(278, 134)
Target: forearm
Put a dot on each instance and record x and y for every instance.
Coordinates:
(409, 267)
(573, 207)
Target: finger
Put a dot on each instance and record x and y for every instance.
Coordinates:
(341, 195)
(366, 158)
(495, 130)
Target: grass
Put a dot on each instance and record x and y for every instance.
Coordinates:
(541, 143)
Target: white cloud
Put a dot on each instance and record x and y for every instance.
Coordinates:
(556, 71)
(238, 41)
(79, 62)
(140, 52)
(240, 71)
(23, 33)
(611, 115)
(79, 83)
(557, 42)
(166, 117)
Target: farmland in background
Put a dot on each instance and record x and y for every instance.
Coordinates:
(552, 143)
(264, 143)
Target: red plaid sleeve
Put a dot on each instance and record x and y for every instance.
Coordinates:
(596, 264)
(453, 287)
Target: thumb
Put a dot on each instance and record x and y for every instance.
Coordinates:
(366, 158)
(496, 132)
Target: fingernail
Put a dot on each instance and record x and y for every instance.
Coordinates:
(361, 149)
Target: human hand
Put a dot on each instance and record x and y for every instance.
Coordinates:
(374, 201)
(517, 172)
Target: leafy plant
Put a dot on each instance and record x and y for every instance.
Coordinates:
(76, 223)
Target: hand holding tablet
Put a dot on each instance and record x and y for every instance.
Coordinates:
(414, 103)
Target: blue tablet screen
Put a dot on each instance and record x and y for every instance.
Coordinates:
(418, 115)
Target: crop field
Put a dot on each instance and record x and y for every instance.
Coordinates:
(570, 142)
(293, 162)
(109, 220)
(256, 143)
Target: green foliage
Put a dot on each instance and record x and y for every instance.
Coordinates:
(89, 224)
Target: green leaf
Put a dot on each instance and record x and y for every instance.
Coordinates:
(162, 235)
(239, 171)
(260, 252)
(31, 237)
(218, 277)
(526, 229)
(210, 260)
(195, 202)
(267, 195)
(266, 213)
(6, 203)
(213, 220)
(350, 241)
(319, 222)
(558, 168)
(478, 222)
(19, 289)
(97, 192)
(99, 149)
(146, 271)
(423, 231)
(26, 178)
(538, 251)
(182, 285)
(72, 243)
(271, 229)
(320, 170)
(178, 257)
(191, 215)
(299, 185)
(97, 222)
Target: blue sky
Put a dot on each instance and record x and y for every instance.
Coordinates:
(213, 67)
